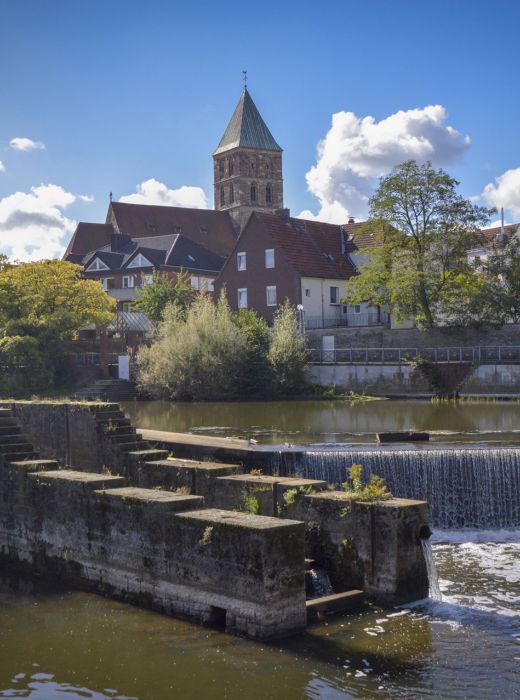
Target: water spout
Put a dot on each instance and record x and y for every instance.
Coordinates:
(431, 569)
(317, 583)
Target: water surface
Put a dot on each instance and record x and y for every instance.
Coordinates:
(334, 421)
(70, 645)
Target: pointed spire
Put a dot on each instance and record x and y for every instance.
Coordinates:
(247, 129)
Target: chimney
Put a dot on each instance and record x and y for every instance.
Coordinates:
(284, 213)
(351, 220)
(501, 234)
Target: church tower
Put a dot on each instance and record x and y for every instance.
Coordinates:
(247, 165)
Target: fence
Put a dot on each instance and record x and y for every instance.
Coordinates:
(477, 355)
(370, 318)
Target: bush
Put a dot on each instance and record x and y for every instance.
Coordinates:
(358, 490)
(287, 354)
(22, 366)
(201, 357)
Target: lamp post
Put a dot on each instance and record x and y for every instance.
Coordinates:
(300, 318)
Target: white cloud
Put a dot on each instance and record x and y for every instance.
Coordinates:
(2, 167)
(21, 143)
(154, 192)
(356, 151)
(33, 225)
(505, 192)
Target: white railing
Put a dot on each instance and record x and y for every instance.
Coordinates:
(501, 354)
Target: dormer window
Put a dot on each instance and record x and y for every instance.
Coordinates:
(97, 265)
(140, 261)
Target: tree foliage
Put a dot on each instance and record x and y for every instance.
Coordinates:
(42, 305)
(152, 299)
(419, 267)
(502, 270)
(214, 353)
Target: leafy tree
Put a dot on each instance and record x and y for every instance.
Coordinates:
(257, 376)
(200, 356)
(152, 299)
(287, 353)
(502, 268)
(42, 305)
(423, 231)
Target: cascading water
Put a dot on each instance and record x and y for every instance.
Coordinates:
(477, 488)
(431, 569)
(317, 583)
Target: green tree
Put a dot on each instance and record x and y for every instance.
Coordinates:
(199, 356)
(287, 353)
(502, 269)
(423, 231)
(153, 298)
(257, 376)
(42, 305)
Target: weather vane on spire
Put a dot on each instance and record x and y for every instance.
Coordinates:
(245, 78)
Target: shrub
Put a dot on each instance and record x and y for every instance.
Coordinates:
(287, 354)
(251, 504)
(358, 490)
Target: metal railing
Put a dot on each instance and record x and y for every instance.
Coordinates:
(501, 354)
(350, 320)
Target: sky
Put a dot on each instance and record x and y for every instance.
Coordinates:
(132, 98)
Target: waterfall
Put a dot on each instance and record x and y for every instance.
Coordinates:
(477, 488)
(431, 569)
(317, 583)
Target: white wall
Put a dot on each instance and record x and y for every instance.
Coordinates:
(317, 303)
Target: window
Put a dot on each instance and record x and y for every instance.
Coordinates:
(241, 262)
(231, 167)
(139, 261)
(268, 168)
(195, 283)
(357, 309)
(97, 264)
(231, 194)
(222, 197)
(334, 295)
(307, 292)
(268, 195)
(221, 168)
(126, 306)
(242, 298)
(147, 279)
(269, 257)
(253, 193)
(128, 282)
(210, 284)
(253, 167)
(107, 283)
(271, 296)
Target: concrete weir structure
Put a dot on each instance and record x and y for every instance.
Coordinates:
(195, 539)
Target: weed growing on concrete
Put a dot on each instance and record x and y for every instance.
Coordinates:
(358, 490)
(183, 491)
(290, 496)
(251, 504)
(206, 536)
(256, 472)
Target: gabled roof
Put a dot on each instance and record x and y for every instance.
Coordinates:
(87, 238)
(492, 235)
(312, 248)
(247, 129)
(188, 254)
(212, 229)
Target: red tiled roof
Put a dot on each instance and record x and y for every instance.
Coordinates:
(212, 229)
(86, 239)
(491, 234)
(313, 248)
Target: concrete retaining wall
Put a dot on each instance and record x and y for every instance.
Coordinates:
(395, 380)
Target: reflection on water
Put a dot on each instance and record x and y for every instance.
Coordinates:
(62, 644)
(333, 421)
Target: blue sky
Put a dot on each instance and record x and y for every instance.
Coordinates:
(123, 92)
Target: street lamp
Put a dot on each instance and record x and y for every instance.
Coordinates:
(300, 317)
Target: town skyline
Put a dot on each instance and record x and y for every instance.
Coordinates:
(65, 145)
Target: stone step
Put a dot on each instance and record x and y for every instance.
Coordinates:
(10, 430)
(148, 455)
(7, 420)
(337, 603)
(20, 446)
(124, 437)
(6, 412)
(38, 464)
(11, 438)
(132, 446)
(107, 419)
(120, 430)
(163, 501)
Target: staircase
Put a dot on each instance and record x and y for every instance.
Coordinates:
(16, 449)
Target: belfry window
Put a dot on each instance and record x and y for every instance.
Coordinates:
(221, 168)
(222, 197)
(253, 192)
(268, 195)
(231, 194)
(231, 167)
